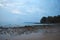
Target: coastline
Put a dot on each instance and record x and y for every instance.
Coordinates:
(34, 32)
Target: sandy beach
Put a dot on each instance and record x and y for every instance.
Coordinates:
(50, 33)
(33, 36)
(37, 36)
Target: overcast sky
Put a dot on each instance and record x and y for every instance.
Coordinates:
(18, 11)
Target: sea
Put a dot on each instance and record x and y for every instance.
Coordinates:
(22, 24)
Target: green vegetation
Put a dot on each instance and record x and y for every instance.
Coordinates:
(50, 19)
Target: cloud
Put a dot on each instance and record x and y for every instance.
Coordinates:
(22, 7)
(9, 4)
(6, 4)
(35, 9)
(16, 11)
(1, 5)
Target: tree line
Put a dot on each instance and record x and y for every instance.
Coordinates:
(50, 19)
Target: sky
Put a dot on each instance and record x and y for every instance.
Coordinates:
(19, 11)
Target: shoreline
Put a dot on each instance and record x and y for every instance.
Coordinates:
(44, 32)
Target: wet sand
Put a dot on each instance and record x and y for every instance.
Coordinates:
(50, 33)
(34, 36)
(37, 36)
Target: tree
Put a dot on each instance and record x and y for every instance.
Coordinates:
(43, 20)
(50, 19)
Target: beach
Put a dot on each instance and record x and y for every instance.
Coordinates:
(31, 33)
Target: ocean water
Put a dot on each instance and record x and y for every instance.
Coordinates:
(22, 24)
